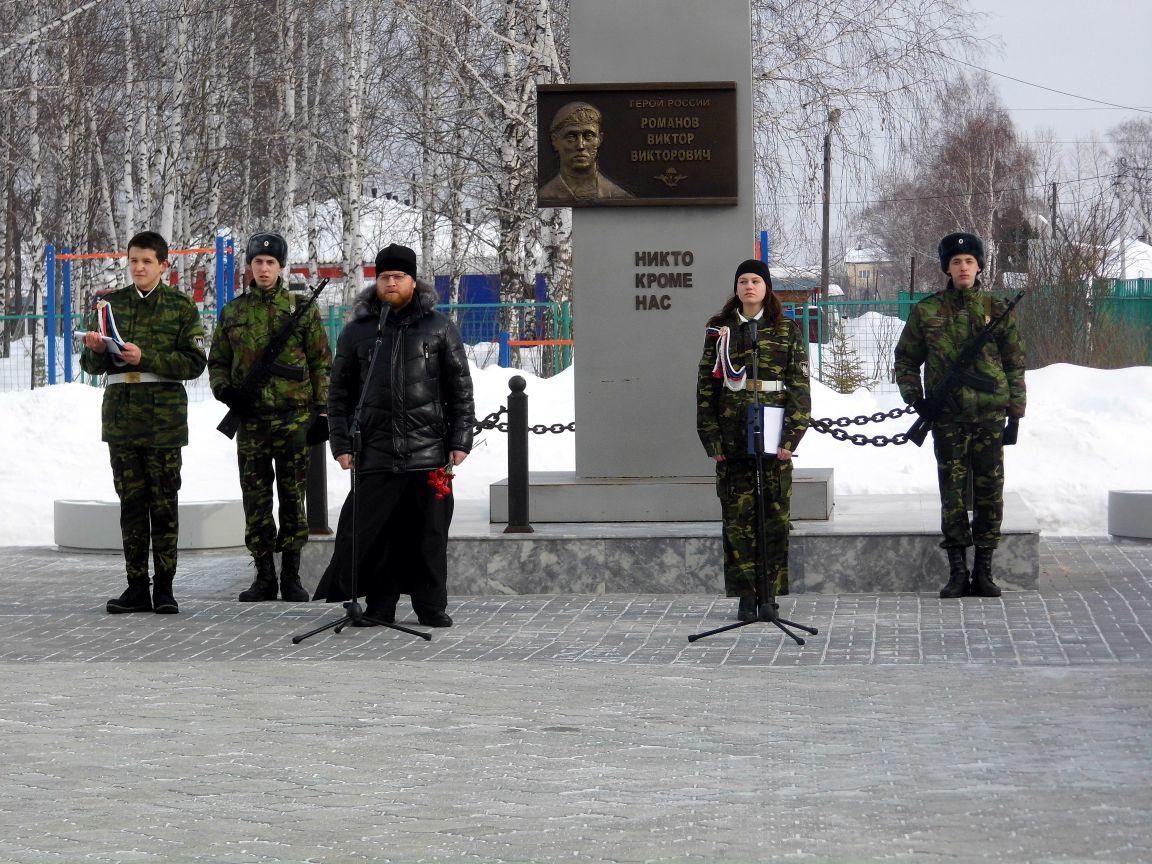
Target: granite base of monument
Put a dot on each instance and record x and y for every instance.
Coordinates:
(561, 496)
(870, 544)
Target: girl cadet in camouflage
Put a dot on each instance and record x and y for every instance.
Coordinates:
(723, 392)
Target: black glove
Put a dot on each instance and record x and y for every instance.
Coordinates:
(927, 407)
(236, 398)
(318, 430)
(1011, 431)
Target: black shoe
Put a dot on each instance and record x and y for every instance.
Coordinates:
(162, 600)
(747, 609)
(264, 586)
(134, 599)
(290, 587)
(377, 614)
(768, 612)
(437, 618)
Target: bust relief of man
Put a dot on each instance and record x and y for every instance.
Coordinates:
(576, 133)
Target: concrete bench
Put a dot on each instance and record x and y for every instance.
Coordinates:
(95, 525)
(1130, 513)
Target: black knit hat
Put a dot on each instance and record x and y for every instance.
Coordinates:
(961, 243)
(268, 244)
(753, 265)
(395, 257)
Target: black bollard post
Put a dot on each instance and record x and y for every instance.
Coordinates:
(518, 458)
(316, 496)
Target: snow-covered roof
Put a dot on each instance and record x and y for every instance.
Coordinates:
(383, 221)
(870, 255)
(1128, 259)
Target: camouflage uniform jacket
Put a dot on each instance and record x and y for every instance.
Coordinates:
(721, 413)
(938, 328)
(165, 324)
(246, 326)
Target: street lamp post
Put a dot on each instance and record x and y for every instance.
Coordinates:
(833, 119)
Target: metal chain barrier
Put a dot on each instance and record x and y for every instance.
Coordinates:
(826, 424)
(492, 421)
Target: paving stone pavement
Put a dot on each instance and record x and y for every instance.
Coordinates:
(577, 727)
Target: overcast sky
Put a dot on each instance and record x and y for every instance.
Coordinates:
(1096, 48)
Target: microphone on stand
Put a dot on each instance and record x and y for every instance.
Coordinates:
(755, 417)
(384, 310)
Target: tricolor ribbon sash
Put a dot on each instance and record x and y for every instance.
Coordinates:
(734, 379)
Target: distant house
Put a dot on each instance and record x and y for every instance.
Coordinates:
(863, 265)
(1128, 259)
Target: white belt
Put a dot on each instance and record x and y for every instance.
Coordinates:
(764, 386)
(139, 378)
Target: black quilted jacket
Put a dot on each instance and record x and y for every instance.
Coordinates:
(419, 402)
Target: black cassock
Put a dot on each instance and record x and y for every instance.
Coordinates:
(401, 543)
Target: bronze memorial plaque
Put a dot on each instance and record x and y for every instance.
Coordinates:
(627, 145)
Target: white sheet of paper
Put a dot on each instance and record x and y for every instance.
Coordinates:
(773, 426)
(110, 344)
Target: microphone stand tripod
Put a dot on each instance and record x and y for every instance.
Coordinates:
(766, 607)
(354, 613)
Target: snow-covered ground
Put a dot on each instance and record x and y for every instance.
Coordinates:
(1087, 431)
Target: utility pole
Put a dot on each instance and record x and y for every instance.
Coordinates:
(1053, 211)
(833, 119)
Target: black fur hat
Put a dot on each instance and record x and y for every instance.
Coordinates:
(961, 243)
(268, 244)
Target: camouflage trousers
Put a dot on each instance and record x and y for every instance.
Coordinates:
(274, 449)
(147, 481)
(979, 447)
(736, 486)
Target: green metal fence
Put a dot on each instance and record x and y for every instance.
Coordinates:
(484, 326)
(844, 334)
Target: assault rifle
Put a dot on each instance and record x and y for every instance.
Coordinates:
(268, 365)
(960, 374)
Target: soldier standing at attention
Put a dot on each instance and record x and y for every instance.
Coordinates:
(723, 393)
(273, 440)
(144, 418)
(969, 430)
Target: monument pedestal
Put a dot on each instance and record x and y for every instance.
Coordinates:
(561, 496)
(871, 544)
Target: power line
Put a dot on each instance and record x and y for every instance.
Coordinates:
(916, 198)
(1044, 87)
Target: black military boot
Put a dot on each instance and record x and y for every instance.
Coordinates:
(957, 574)
(162, 600)
(134, 599)
(982, 584)
(747, 609)
(290, 587)
(263, 587)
